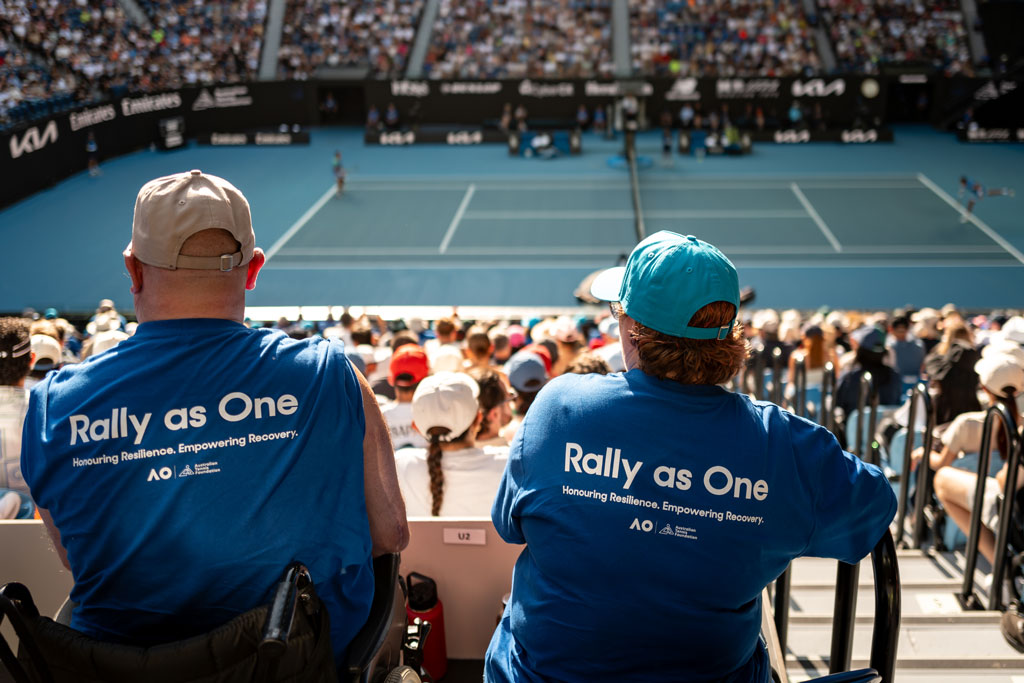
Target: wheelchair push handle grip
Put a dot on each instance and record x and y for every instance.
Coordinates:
(278, 626)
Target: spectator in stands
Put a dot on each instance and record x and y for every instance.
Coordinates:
(500, 343)
(907, 353)
(478, 348)
(812, 351)
(495, 399)
(408, 368)
(315, 480)
(1001, 374)
(596, 451)
(950, 370)
(16, 359)
(611, 351)
(588, 363)
(48, 357)
(567, 338)
(453, 476)
(527, 373)
(869, 356)
(926, 327)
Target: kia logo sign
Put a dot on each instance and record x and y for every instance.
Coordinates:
(816, 87)
(32, 140)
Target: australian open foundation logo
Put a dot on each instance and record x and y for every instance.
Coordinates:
(644, 525)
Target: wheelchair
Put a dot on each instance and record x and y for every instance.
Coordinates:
(285, 640)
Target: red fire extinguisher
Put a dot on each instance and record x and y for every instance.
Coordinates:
(423, 603)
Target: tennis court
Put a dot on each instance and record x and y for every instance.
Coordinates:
(435, 225)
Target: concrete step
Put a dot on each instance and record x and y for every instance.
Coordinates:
(964, 646)
(938, 570)
(919, 605)
(799, 675)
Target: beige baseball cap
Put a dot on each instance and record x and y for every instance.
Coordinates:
(171, 209)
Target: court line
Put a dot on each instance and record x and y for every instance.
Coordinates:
(816, 218)
(299, 224)
(646, 186)
(585, 265)
(978, 223)
(388, 252)
(457, 218)
(619, 215)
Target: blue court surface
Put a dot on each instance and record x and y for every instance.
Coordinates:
(874, 226)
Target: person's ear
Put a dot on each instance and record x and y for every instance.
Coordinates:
(258, 259)
(134, 267)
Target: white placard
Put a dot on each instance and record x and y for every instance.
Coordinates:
(465, 536)
(938, 603)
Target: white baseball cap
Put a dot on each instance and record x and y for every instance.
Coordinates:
(1000, 372)
(446, 399)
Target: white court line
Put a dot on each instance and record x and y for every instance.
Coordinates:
(299, 224)
(457, 218)
(384, 252)
(619, 215)
(980, 224)
(816, 218)
(584, 265)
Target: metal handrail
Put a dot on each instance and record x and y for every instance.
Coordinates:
(828, 390)
(799, 380)
(759, 375)
(886, 627)
(864, 391)
(921, 390)
(886, 632)
(777, 376)
(995, 600)
(966, 596)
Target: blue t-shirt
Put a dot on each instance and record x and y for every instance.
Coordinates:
(654, 514)
(187, 466)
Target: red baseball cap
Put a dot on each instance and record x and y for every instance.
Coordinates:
(541, 351)
(409, 365)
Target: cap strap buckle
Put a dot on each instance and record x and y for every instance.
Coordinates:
(723, 331)
(227, 262)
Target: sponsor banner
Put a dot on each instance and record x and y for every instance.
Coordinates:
(91, 117)
(254, 138)
(33, 139)
(847, 136)
(458, 137)
(222, 98)
(991, 135)
(554, 104)
(42, 152)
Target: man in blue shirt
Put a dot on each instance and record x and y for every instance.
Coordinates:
(184, 469)
(655, 505)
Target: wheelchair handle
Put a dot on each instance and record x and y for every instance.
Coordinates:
(278, 627)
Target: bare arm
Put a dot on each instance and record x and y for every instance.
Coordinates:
(54, 536)
(389, 529)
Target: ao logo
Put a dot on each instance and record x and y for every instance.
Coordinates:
(158, 474)
(32, 141)
(645, 525)
(859, 136)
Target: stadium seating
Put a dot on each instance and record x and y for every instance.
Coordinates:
(375, 35)
(535, 39)
(746, 38)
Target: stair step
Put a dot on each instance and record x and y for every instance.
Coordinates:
(916, 601)
(916, 569)
(977, 645)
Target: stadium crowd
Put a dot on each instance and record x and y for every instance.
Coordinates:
(530, 38)
(746, 38)
(502, 365)
(377, 35)
(867, 35)
(56, 55)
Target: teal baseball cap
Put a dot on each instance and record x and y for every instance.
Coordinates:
(667, 279)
